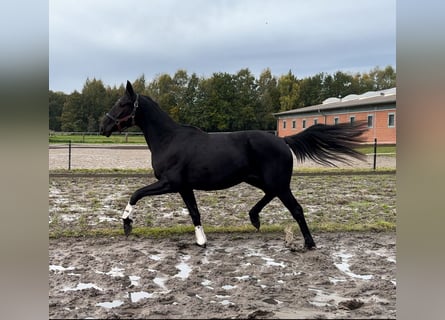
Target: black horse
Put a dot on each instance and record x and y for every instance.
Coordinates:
(185, 158)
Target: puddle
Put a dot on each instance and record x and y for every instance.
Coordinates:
(136, 296)
(82, 286)
(134, 280)
(391, 259)
(337, 280)
(206, 283)
(74, 274)
(242, 277)
(184, 268)
(344, 266)
(109, 305)
(269, 261)
(156, 257)
(160, 281)
(53, 267)
(225, 301)
(114, 272)
(228, 287)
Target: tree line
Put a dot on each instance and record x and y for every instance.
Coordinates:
(222, 102)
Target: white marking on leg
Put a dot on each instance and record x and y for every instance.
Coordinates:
(127, 212)
(200, 236)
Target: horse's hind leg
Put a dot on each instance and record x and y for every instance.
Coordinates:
(189, 199)
(254, 212)
(294, 207)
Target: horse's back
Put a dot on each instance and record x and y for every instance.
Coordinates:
(269, 151)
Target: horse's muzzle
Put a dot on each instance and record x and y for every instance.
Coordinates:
(105, 129)
(104, 132)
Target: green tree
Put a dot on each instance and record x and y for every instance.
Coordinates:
(161, 89)
(222, 102)
(289, 90)
(219, 93)
(268, 100)
(179, 91)
(139, 85)
(245, 102)
(311, 90)
(190, 100)
(385, 78)
(55, 107)
(93, 105)
(72, 113)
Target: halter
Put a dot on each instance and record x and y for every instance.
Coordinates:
(131, 115)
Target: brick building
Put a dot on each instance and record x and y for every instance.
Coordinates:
(377, 108)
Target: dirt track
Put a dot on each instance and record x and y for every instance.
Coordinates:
(90, 156)
(350, 275)
(253, 275)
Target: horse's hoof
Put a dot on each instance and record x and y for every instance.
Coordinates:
(312, 247)
(201, 245)
(256, 224)
(128, 226)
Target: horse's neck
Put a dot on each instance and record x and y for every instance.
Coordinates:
(157, 127)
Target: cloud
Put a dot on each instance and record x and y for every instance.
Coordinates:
(112, 41)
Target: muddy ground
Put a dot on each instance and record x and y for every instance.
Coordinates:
(95, 202)
(238, 275)
(350, 275)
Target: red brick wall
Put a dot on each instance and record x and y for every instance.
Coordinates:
(379, 130)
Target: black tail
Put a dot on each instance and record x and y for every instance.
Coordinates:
(323, 143)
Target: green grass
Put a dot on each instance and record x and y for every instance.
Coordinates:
(162, 232)
(102, 171)
(314, 171)
(99, 139)
(139, 139)
(368, 149)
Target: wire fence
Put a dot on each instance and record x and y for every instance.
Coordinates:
(71, 155)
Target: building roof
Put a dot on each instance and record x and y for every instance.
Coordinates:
(352, 100)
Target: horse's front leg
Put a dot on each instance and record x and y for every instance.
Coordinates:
(157, 188)
(189, 199)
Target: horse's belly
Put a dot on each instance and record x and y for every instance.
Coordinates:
(206, 178)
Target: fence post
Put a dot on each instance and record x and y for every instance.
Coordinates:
(69, 155)
(375, 153)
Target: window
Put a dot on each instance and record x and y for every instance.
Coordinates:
(294, 124)
(304, 124)
(352, 119)
(391, 120)
(336, 120)
(370, 121)
(315, 121)
(284, 124)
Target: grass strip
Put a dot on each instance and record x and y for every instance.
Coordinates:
(163, 232)
(138, 172)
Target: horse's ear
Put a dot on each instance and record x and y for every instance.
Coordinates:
(130, 91)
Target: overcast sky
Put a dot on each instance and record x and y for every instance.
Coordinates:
(119, 40)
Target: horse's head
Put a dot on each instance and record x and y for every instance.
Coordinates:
(121, 116)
